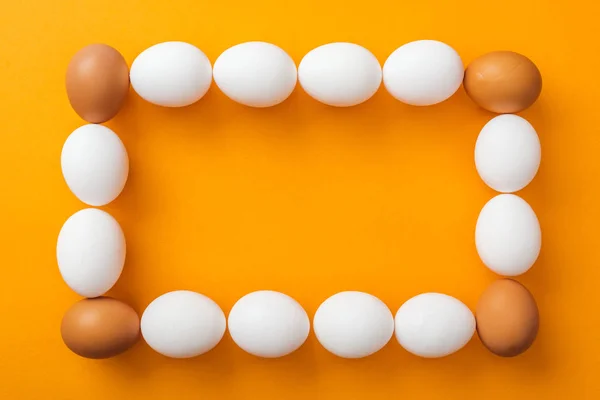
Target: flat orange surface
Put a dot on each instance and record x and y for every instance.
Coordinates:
(301, 198)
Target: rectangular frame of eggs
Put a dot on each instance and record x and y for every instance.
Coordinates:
(182, 324)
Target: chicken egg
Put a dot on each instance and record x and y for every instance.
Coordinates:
(434, 325)
(503, 82)
(340, 74)
(507, 153)
(507, 235)
(255, 74)
(97, 82)
(268, 324)
(507, 318)
(423, 73)
(353, 324)
(171, 74)
(182, 324)
(90, 252)
(94, 164)
(100, 328)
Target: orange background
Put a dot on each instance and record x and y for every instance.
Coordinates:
(300, 198)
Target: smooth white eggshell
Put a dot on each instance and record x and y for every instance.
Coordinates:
(423, 73)
(94, 164)
(268, 324)
(353, 324)
(171, 74)
(182, 324)
(508, 235)
(340, 74)
(434, 325)
(90, 252)
(507, 153)
(255, 74)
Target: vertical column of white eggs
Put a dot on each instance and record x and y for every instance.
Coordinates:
(507, 157)
(91, 245)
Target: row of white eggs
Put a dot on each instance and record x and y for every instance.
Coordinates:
(95, 164)
(260, 74)
(183, 324)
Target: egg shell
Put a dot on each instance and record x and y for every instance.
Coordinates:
(434, 325)
(94, 164)
(171, 74)
(340, 74)
(255, 74)
(508, 235)
(423, 72)
(503, 82)
(183, 324)
(90, 252)
(507, 318)
(507, 153)
(353, 324)
(100, 328)
(97, 82)
(268, 324)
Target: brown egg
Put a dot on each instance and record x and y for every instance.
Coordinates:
(503, 82)
(100, 328)
(97, 82)
(507, 318)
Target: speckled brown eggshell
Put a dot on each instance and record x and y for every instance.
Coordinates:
(97, 82)
(101, 327)
(503, 82)
(507, 318)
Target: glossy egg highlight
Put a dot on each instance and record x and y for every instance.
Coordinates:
(182, 324)
(340, 74)
(95, 164)
(508, 235)
(423, 73)
(434, 325)
(507, 153)
(256, 74)
(100, 328)
(503, 82)
(97, 82)
(268, 324)
(507, 318)
(171, 74)
(353, 324)
(90, 252)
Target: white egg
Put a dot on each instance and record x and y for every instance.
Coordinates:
(508, 235)
(171, 74)
(268, 324)
(340, 74)
(507, 153)
(434, 325)
(353, 324)
(94, 164)
(90, 252)
(182, 324)
(423, 72)
(255, 74)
